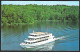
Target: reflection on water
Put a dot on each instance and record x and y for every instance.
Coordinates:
(12, 36)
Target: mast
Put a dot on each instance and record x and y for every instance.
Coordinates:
(47, 29)
(33, 31)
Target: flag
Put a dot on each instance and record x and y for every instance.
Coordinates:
(48, 26)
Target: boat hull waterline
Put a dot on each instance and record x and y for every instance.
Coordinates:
(23, 45)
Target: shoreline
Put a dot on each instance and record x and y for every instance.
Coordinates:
(36, 22)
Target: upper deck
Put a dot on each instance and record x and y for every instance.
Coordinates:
(40, 33)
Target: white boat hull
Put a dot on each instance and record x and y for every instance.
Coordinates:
(44, 47)
(23, 45)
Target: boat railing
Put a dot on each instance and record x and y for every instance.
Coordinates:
(36, 41)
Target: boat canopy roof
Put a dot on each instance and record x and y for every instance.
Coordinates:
(39, 33)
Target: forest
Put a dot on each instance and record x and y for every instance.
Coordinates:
(17, 14)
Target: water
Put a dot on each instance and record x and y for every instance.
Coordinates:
(66, 36)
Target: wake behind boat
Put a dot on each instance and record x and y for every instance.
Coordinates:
(37, 38)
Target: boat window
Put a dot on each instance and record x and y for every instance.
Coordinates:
(35, 35)
(30, 42)
(39, 41)
(30, 39)
(34, 42)
(37, 38)
(39, 35)
(32, 35)
(27, 42)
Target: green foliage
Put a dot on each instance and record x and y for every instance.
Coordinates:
(4, 20)
(31, 13)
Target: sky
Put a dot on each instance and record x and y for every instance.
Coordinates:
(70, 3)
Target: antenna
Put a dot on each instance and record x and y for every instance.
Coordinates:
(33, 31)
(47, 28)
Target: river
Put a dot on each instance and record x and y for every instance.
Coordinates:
(67, 32)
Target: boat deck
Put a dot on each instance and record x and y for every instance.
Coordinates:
(40, 33)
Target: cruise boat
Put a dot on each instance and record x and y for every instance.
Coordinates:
(36, 39)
